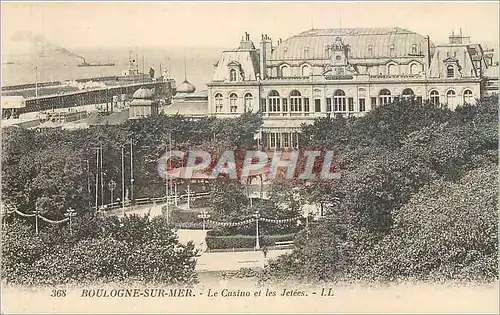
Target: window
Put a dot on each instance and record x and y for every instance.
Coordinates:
(306, 52)
(263, 105)
(328, 104)
(373, 102)
(384, 97)
(391, 50)
(468, 99)
(362, 106)
(286, 140)
(218, 103)
(295, 101)
(450, 97)
(248, 99)
(306, 70)
(350, 102)
(317, 105)
(274, 101)
(232, 75)
(273, 139)
(414, 49)
(434, 97)
(285, 71)
(285, 105)
(408, 94)
(450, 71)
(306, 104)
(370, 50)
(338, 57)
(233, 108)
(339, 102)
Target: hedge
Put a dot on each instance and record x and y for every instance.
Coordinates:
(125, 249)
(244, 241)
(183, 216)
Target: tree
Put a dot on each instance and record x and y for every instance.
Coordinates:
(228, 199)
(448, 230)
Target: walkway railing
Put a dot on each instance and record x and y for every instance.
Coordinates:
(153, 200)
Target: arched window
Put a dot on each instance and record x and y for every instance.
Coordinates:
(274, 101)
(414, 49)
(285, 71)
(218, 103)
(434, 97)
(407, 94)
(233, 98)
(370, 50)
(339, 101)
(450, 71)
(391, 69)
(306, 70)
(384, 97)
(248, 99)
(450, 97)
(232, 75)
(295, 101)
(415, 68)
(468, 97)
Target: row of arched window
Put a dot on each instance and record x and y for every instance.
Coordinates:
(392, 69)
(285, 71)
(233, 102)
(340, 102)
(276, 104)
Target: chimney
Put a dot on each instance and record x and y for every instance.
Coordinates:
(265, 54)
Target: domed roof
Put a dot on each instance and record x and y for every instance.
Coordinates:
(186, 87)
(143, 93)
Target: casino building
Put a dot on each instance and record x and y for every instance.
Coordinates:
(343, 72)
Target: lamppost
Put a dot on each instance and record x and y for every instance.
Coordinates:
(111, 187)
(70, 213)
(131, 171)
(257, 216)
(36, 212)
(204, 215)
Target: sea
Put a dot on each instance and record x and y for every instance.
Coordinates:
(194, 64)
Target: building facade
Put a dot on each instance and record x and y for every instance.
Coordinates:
(342, 72)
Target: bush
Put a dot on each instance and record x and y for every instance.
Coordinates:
(131, 248)
(183, 216)
(244, 241)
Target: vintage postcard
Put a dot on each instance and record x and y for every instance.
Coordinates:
(244, 157)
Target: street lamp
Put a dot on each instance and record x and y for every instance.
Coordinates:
(111, 187)
(204, 215)
(257, 216)
(70, 213)
(36, 212)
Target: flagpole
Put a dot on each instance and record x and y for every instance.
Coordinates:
(123, 182)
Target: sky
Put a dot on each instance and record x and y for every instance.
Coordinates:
(221, 24)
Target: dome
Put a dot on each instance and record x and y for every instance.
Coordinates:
(186, 87)
(143, 93)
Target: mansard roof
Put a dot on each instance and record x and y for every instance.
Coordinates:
(359, 40)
